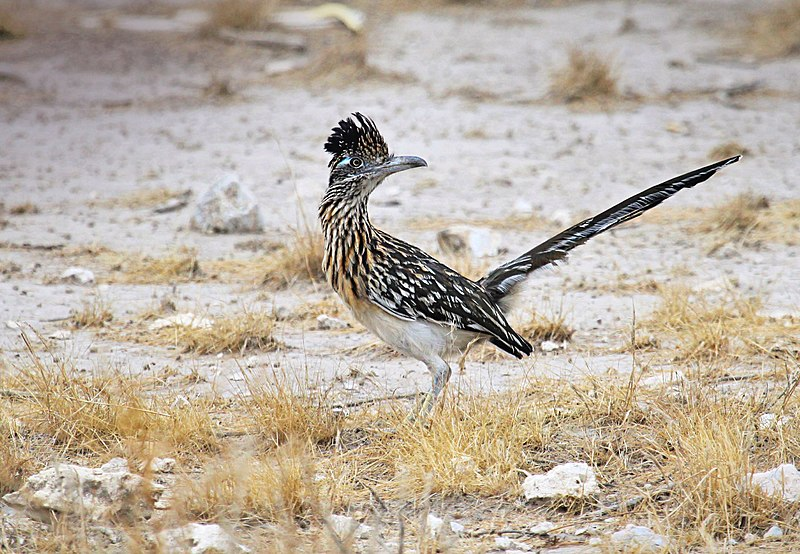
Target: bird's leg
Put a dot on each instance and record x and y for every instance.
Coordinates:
(441, 375)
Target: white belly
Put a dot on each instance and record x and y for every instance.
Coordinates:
(420, 339)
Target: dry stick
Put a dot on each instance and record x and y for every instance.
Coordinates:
(375, 400)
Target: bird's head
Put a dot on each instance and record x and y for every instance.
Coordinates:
(361, 159)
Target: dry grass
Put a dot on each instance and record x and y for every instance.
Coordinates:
(234, 334)
(300, 260)
(587, 77)
(705, 328)
(775, 32)
(748, 219)
(9, 27)
(96, 313)
(726, 150)
(540, 328)
(25, 208)
(101, 414)
(145, 198)
(240, 14)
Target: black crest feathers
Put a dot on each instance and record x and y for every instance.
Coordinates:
(351, 138)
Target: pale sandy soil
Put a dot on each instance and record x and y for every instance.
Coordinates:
(92, 115)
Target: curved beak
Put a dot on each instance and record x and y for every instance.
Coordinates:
(396, 164)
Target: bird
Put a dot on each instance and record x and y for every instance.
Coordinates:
(412, 301)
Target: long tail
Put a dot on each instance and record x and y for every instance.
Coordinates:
(500, 282)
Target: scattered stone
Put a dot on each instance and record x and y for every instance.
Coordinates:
(11, 324)
(771, 421)
(562, 217)
(61, 334)
(434, 525)
(162, 465)
(327, 323)
(78, 275)
(542, 528)
(773, 533)
(784, 480)
(675, 377)
(475, 241)
(639, 539)
(510, 545)
(522, 206)
(457, 528)
(574, 479)
(552, 346)
(175, 204)
(187, 319)
(67, 489)
(750, 538)
(345, 525)
(228, 207)
(199, 538)
(278, 67)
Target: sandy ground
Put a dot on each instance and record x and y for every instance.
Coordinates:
(90, 115)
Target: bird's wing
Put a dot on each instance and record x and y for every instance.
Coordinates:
(501, 281)
(414, 285)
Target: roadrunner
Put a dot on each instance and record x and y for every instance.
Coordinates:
(413, 302)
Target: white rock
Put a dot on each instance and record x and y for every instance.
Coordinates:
(773, 533)
(750, 538)
(61, 334)
(345, 525)
(562, 217)
(784, 480)
(162, 465)
(78, 275)
(522, 206)
(675, 377)
(67, 489)
(551, 346)
(228, 207)
(510, 545)
(595, 541)
(457, 528)
(574, 479)
(434, 525)
(639, 539)
(542, 528)
(11, 324)
(181, 320)
(327, 322)
(199, 538)
(771, 421)
(475, 241)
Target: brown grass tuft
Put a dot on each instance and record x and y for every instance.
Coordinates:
(9, 27)
(586, 77)
(25, 208)
(93, 314)
(726, 150)
(775, 32)
(240, 14)
(541, 328)
(474, 444)
(738, 216)
(145, 198)
(234, 334)
(179, 266)
(300, 260)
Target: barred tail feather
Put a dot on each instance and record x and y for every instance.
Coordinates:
(500, 282)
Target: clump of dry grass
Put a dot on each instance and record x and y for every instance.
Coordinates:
(179, 266)
(93, 314)
(738, 216)
(16, 457)
(235, 334)
(330, 305)
(706, 329)
(240, 14)
(775, 32)
(474, 444)
(24, 208)
(540, 328)
(586, 77)
(300, 260)
(9, 27)
(282, 412)
(146, 198)
(726, 150)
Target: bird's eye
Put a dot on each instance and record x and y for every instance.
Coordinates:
(356, 162)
